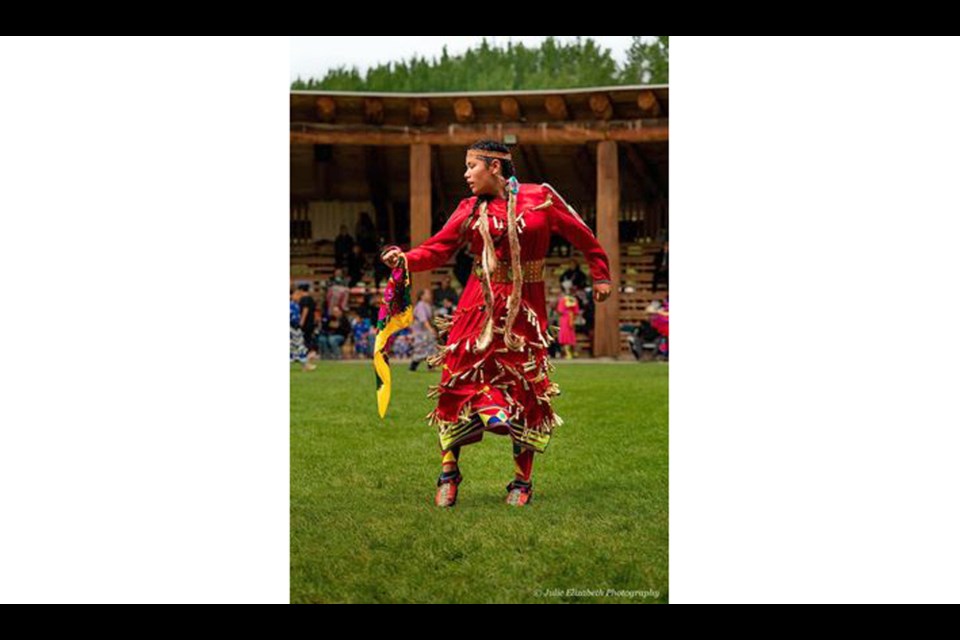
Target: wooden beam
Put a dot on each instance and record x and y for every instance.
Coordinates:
(556, 108)
(326, 109)
(510, 109)
(373, 110)
(649, 104)
(420, 206)
(419, 112)
(465, 135)
(463, 110)
(601, 107)
(606, 331)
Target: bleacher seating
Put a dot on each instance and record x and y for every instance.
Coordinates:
(316, 264)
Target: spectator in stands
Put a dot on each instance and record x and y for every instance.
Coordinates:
(574, 275)
(442, 317)
(402, 343)
(308, 308)
(661, 322)
(644, 338)
(342, 247)
(445, 291)
(364, 335)
(298, 348)
(367, 309)
(377, 302)
(587, 308)
(366, 233)
(446, 309)
(553, 322)
(568, 308)
(334, 332)
(660, 266)
(317, 325)
(338, 293)
(424, 333)
(381, 272)
(337, 278)
(356, 264)
(559, 246)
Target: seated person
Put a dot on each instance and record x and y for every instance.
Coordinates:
(333, 333)
(644, 338)
(364, 336)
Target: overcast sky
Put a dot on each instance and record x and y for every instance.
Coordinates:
(313, 55)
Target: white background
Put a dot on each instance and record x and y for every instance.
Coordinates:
(143, 263)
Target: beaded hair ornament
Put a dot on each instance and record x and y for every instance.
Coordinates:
(480, 153)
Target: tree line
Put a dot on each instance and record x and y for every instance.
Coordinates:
(488, 67)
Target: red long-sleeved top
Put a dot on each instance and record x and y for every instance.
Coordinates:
(537, 225)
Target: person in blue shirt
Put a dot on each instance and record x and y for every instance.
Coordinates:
(298, 346)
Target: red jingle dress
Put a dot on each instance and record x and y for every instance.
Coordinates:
(484, 372)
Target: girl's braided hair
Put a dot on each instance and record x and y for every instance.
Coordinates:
(506, 165)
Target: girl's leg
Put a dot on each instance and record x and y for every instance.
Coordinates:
(522, 463)
(449, 479)
(520, 490)
(450, 461)
(450, 476)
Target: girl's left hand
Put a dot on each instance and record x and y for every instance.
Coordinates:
(601, 291)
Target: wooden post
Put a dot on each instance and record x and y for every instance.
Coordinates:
(462, 135)
(606, 331)
(420, 208)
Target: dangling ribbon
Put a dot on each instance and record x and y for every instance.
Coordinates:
(488, 260)
(489, 263)
(396, 313)
(513, 341)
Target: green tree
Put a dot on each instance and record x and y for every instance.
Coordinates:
(487, 67)
(648, 62)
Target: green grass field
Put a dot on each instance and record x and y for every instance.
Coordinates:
(363, 527)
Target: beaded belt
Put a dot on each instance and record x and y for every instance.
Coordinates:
(532, 271)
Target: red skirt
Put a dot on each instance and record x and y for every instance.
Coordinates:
(515, 381)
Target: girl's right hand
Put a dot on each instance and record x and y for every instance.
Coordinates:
(391, 257)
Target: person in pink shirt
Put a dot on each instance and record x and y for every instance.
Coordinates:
(569, 308)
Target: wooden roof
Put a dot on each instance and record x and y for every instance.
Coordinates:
(636, 113)
(363, 138)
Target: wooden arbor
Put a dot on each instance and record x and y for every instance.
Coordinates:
(614, 120)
